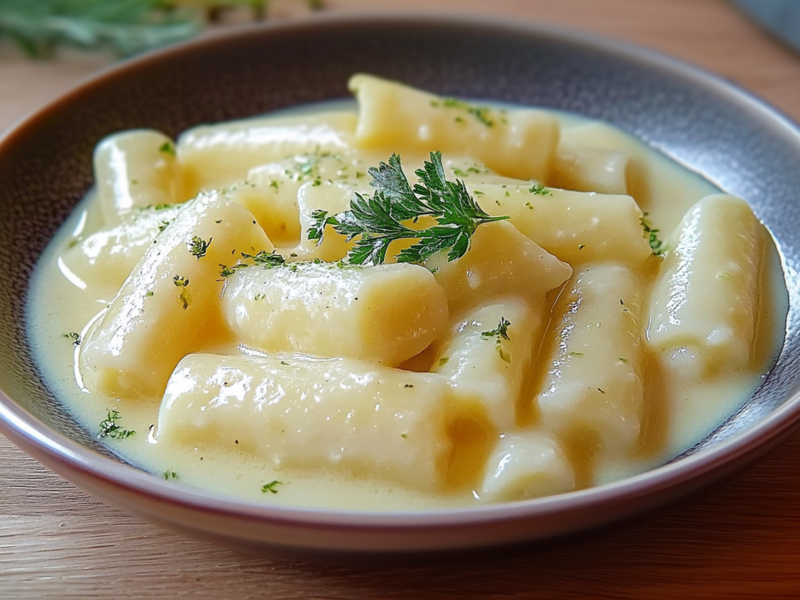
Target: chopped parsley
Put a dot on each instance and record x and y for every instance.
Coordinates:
(170, 475)
(163, 225)
(270, 487)
(183, 283)
(264, 258)
(481, 113)
(109, 428)
(501, 331)
(74, 336)
(377, 221)
(167, 148)
(198, 247)
(657, 246)
(540, 190)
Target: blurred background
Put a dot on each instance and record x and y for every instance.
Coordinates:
(47, 46)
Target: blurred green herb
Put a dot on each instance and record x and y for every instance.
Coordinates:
(125, 27)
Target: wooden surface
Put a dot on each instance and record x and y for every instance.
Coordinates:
(741, 540)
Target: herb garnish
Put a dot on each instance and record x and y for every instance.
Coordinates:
(267, 259)
(378, 221)
(183, 282)
(501, 332)
(74, 336)
(270, 487)
(540, 190)
(198, 247)
(167, 148)
(109, 427)
(481, 113)
(657, 246)
(170, 475)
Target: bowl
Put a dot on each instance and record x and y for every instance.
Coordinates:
(728, 136)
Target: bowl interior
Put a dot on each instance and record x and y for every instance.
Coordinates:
(733, 140)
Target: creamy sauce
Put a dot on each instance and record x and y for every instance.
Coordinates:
(676, 416)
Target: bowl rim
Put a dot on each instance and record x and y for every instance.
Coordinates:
(64, 455)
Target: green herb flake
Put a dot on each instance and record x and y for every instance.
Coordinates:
(443, 361)
(657, 246)
(163, 225)
(540, 190)
(266, 259)
(501, 331)
(167, 148)
(109, 428)
(184, 296)
(74, 336)
(270, 487)
(576, 353)
(170, 475)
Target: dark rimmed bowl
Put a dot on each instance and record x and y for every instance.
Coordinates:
(731, 138)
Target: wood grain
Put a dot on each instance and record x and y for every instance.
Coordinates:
(741, 540)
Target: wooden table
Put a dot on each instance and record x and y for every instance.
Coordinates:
(738, 541)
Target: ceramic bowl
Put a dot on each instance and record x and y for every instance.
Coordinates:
(731, 138)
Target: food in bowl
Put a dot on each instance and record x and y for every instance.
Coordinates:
(280, 309)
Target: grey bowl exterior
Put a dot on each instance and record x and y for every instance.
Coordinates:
(733, 139)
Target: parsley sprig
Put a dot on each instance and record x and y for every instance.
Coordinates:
(379, 220)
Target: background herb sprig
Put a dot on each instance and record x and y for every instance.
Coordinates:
(381, 219)
(125, 27)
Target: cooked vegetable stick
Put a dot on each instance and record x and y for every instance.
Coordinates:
(134, 169)
(293, 411)
(384, 314)
(169, 306)
(593, 384)
(516, 143)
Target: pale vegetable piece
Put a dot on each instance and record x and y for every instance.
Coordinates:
(170, 304)
(593, 387)
(589, 170)
(384, 314)
(707, 294)
(213, 156)
(515, 143)
(657, 183)
(270, 191)
(107, 257)
(500, 262)
(576, 227)
(341, 414)
(485, 363)
(134, 169)
(526, 465)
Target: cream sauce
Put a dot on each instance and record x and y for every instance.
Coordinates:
(678, 415)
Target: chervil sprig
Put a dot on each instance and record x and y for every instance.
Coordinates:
(377, 221)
